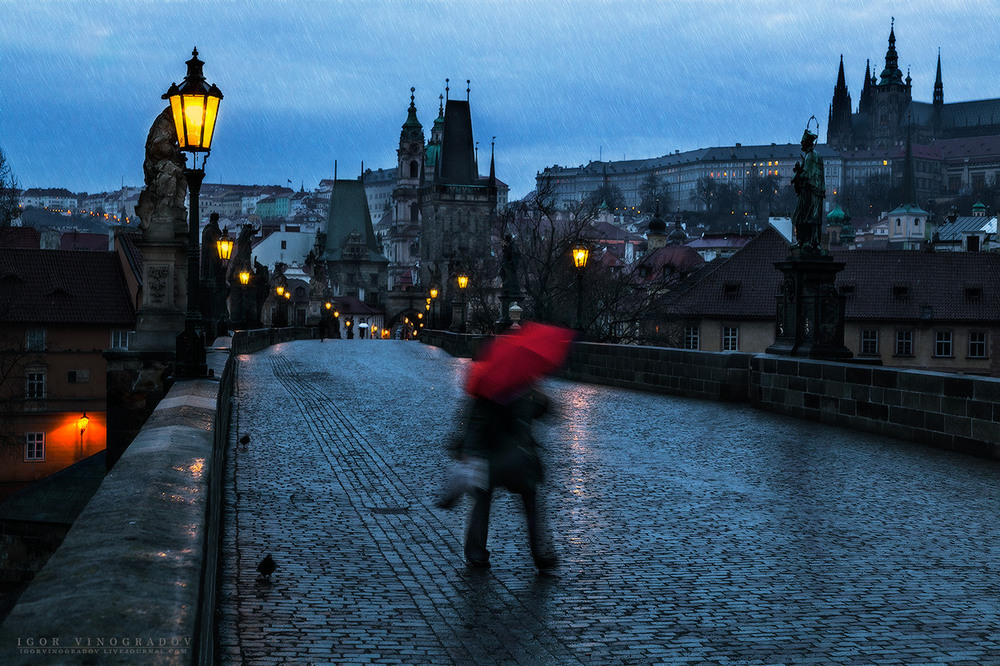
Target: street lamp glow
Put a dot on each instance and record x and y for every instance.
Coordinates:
(280, 290)
(580, 255)
(329, 305)
(195, 105)
(288, 295)
(224, 245)
(244, 278)
(82, 422)
(434, 292)
(463, 281)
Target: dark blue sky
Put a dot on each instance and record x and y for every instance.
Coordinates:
(557, 82)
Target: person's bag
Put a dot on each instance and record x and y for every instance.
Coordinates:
(464, 476)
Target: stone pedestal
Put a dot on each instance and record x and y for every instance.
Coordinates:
(136, 382)
(810, 313)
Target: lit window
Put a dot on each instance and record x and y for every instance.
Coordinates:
(692, 339)
(730, 338)
(35, 339)
(34, 446)
(904, 343)
(869, 343)
(977, 344)
(942, 344)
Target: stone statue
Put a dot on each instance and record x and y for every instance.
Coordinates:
(508, 266)
(161, 202)
(809, 182)
(211, 264)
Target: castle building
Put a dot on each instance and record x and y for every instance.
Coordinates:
(886, 109)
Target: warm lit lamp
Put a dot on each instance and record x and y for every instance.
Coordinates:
(194, 105)
(82, 422)
(280, 290)
(225, 246)
(434, 292)
(329, 305)
(244, 278)
(288, 295)
(580, 255)
(463, 281)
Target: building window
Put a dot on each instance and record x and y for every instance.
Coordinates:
(942, 344)
(120, 339)
(34, 384)
(977, 344)
(34, 446)
(35, 339)
(869, 343)
(904, 343)
(284, 245)
(730, 338)
(692, 339)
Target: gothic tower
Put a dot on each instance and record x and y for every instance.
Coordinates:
(938, 97)
(456, 204)
(890, 97)
(839, 133)
(404, 234)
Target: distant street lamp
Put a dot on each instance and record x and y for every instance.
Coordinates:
(463, 282)
(195, 106)
(580, 255)
(433, 294)
(224, 246)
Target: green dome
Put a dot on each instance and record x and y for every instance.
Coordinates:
(837, 216)
(980, 207)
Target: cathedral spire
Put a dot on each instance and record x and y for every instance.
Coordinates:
(865, 103)
(891, 74)
(493, 169)
(839, 129)
(938, 85)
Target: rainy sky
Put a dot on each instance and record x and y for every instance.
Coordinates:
(556, 82)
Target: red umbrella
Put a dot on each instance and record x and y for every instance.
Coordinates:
(511, 363)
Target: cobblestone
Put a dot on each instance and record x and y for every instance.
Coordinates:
(689, 532)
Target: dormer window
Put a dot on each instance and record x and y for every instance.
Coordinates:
(973, 294)
(900, 292)
(731, 290)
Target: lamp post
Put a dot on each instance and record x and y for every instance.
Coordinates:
(580, 255)
(224, 246)
(195, 105)
(463, 282)
(244, 276)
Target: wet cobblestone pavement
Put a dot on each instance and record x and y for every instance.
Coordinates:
(689, 532)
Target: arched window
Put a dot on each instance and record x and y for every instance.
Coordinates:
(414, 169)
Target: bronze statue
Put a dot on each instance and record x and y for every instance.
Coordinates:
(809, 182)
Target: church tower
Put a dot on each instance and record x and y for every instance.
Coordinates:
(839, 133)
(456, 204)
(938, 97)
(865, 103)
(890, 98)
(404, 233)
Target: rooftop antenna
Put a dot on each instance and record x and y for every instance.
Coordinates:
(335, 171)
(362, 176)
(447, 87)
(468, 88)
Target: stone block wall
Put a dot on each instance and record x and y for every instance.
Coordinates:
(709, 375)
(955, 412)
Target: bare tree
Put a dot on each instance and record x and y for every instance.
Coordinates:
(758, 194)
(10, 208)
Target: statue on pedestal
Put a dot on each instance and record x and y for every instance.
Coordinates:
(809, 182)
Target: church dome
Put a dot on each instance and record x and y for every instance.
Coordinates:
(657, 225)
(836, 216)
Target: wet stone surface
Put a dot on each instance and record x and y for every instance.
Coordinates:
(689, 532)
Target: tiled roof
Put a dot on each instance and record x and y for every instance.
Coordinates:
(63, 287)
(75, 240)
(20, 237)
(897, 285)
(676, 259)
(955, 229)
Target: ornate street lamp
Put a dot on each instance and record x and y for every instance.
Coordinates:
(225, 246)
(463, 282)
(433, 294)
(195, 105)
(580, 255)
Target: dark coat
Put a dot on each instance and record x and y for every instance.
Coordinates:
(502, 435)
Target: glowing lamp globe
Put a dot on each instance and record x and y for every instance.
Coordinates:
(225, 246)
(195, 105)
(580, 255)
(244, 277)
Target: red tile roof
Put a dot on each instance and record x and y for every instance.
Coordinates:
(896, 285)
(20, 237)
(75, 240)
(63, 287)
